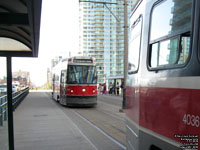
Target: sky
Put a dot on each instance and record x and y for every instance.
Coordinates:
(59, 33)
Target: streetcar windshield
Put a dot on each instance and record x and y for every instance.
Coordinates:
(81, 74)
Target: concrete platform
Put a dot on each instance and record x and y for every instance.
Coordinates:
(40, 125)
(4, 136)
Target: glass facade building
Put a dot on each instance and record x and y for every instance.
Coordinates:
(102, 35)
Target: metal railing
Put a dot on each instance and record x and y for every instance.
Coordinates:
(17, 98)
(3, 109)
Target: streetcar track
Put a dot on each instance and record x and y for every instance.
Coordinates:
(99, 129)
(122, 120)
(112, 115)
(115, 103)
(79, 130)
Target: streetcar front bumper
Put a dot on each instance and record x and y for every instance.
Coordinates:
(81, 100)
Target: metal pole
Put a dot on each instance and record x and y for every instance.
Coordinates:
(125, 51)
(1, 113)
(10, 108)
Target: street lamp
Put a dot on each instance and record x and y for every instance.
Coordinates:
(125, 51)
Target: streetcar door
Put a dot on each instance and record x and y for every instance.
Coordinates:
(62, 86)
(132, 86)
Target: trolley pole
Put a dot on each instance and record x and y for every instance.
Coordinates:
(125, 51)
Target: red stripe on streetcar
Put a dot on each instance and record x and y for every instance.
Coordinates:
(166, 111)
(81, 90)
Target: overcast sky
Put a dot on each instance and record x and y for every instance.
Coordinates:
(58, 36)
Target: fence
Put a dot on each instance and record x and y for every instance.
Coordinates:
(17, 98)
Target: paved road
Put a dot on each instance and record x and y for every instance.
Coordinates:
(42, 124)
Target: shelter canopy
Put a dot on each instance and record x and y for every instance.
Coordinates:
(19, 27)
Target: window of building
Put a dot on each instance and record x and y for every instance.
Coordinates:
(170, 34)
(134, 46)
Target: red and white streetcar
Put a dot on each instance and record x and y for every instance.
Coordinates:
(75, 81)
(163, 82)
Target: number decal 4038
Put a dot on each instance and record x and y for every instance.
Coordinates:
(191, 120)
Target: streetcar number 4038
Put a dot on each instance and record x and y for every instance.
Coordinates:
(191, 120)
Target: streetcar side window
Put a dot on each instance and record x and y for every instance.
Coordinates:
(54, 76)
(185, 44)
(63, 76)
(134, 47)
(170, 33)
(154, 55)
(164, 53)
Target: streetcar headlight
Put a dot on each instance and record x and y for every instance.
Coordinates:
(72, 91)
(93, 91)
(83, 90)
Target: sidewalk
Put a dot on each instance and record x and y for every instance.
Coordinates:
(4, 136)
(39, 124)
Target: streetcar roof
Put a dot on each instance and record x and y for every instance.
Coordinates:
(76, 60)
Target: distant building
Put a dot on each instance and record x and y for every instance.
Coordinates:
(55, 61)
(49, 79)
(102, 35)
(22, 77)
(48, 75)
